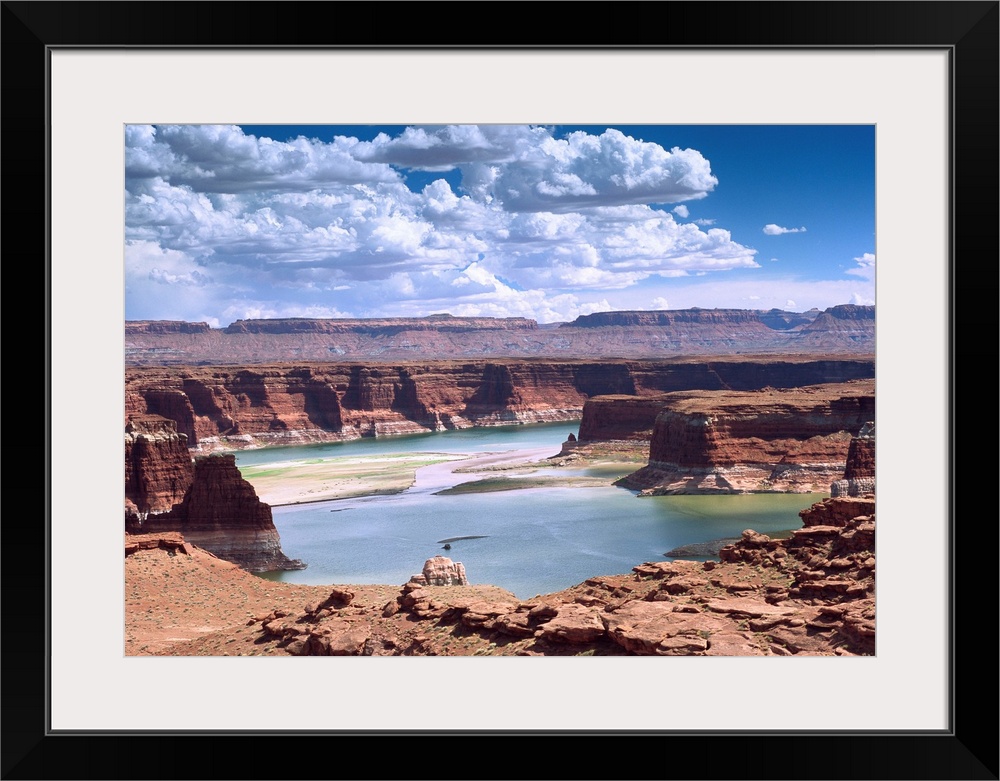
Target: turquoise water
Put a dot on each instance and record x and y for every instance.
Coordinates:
(531, 541)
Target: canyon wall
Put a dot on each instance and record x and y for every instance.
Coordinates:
(221, 513)
(617, 418)
(158, 466)
(231, 407)
(769, 440)
(385, 326)
(841, 330)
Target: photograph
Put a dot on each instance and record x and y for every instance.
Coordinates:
(499, 390)
(461, 362)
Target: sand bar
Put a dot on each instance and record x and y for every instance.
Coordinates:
(300, 482)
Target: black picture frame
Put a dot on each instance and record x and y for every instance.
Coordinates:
(968, 750)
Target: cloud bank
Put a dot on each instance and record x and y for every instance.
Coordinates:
(222, 225)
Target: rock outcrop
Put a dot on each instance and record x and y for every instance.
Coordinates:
(230, 407)
(615, 418)
(221, 513)
(163, 327)
(843, 329)
(172, 542)
(770, 440)
(441, 571)
(859, 476)
(158, 466)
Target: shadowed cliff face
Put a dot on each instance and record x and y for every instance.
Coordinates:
(158, 467)
(221, 513)
(236, 407)
(206, 500)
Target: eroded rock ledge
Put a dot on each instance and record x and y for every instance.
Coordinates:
(786, 440)
(232, 407)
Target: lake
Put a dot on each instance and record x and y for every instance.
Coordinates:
(529, 541)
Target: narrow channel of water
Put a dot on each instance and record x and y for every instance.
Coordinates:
(530, 541)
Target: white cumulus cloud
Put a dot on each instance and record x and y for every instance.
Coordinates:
(865, 267)
(776, 230)
(527, 222)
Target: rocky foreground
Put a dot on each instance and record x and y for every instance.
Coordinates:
(810, 594)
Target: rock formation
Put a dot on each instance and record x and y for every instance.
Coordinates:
(231, 407)
(158, 466)
(386, 326)
(140, 327)
(845, 329)
(221, 513)
(441, 571)
(770, 440)
(621, 417)
(859, 476)
(718, 319)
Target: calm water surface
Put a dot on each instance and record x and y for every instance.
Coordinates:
(533, 541)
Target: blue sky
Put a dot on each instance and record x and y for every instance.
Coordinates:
(224, 222)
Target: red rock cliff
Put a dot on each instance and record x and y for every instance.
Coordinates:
(769, 440)
(289, 404)
(158, 467)
(221, 513)
(620, 417)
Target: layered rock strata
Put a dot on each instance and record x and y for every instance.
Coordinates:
(859, 476)
(231, 407)
(842, 330)
(387, 326)
(793, 440)
(619, 417)
(221, 513)
(158, 465)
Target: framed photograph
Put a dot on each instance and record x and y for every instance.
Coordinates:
(922, 74)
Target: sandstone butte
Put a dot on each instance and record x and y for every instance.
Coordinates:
(207, 500)
(792, 440)
(809, 595)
